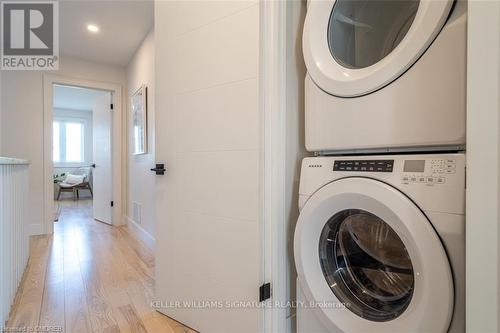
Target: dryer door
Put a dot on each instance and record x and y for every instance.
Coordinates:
(370, 261)
(354, 47)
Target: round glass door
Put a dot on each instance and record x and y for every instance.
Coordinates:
(358, 241)
(362, 32)
(355, 47)
(366, 265)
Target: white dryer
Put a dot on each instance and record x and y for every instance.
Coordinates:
(380, 244)
(385, 74)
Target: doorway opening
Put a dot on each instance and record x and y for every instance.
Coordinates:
(108, 122)
(82, 150)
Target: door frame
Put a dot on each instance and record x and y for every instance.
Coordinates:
(483, 168)
(117, 143)
(273, 84)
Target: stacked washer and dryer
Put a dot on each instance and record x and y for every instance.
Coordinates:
(380, 241)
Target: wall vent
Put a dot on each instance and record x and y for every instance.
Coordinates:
(137, 215)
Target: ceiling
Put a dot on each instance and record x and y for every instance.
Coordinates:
(123, 25)
(75, 98)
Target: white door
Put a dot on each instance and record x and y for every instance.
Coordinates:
(352, 48)
(361, 243)
(102, 171)
(208, 235)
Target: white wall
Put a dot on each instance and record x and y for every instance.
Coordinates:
(483, 167)
(22, 119)
(141, 181)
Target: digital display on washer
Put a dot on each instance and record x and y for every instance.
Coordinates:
(414, 166)
(364, 165)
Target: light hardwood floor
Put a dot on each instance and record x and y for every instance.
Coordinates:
(89, 277)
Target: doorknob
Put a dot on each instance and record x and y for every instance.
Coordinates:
(160, 169)
(93, 165)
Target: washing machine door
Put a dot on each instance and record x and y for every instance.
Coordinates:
(368, 260)
(354, 47)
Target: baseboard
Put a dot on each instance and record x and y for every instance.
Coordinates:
(35, 229)
(140, 233)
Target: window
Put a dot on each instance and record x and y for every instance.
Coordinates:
(68, 141)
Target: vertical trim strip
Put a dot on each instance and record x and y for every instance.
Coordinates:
(273, 106)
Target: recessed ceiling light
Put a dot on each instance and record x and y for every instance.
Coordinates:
(93, 28)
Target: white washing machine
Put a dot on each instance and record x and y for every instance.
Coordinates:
(380, 244)
(385, 74)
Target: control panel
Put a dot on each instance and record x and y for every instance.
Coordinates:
(416, 171)
(364, 165)
(444, 166)
(434, 182)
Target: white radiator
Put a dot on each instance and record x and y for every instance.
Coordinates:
(14, 238)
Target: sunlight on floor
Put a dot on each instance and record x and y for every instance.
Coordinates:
(89, 277)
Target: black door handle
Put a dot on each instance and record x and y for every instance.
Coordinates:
(160, 169)
(93, 165)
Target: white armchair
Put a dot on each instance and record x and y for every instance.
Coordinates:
(78, 180)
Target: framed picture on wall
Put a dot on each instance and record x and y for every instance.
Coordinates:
(139, 121)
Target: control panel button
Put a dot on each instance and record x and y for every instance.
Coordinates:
(443, 166)
(423, 179)
(364, 165)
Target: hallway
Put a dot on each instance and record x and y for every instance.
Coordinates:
(88, 277)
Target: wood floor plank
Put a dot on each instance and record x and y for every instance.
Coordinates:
(27, 311)
(135, 323)
(52, 311)
(76, 310)
(89, 278)
(142, 250)
(100, 311)
(20, 291)
(156, 324)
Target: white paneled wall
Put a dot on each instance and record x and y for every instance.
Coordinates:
(14, 240)
(209, 135)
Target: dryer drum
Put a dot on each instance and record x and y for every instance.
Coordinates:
(362, 32)
(366, 265)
